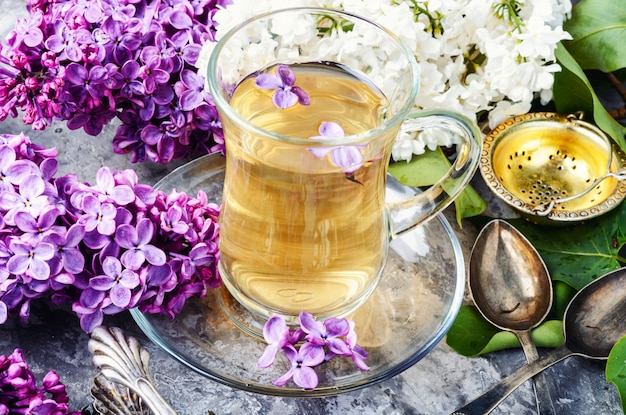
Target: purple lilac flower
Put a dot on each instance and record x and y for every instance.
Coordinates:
(349, 158)
(100, 216)
(121, 194)
(119, 282)
(328, 333)
(13, 172)
(58, 252)
(193, 93)
(136, 241)
(336, 334)
(276, 334)
(302, 362)
(287, 94)
(30, 198)
(28, 31)
(67, 256)
(358, 354)
(86, 81)
(36, 229)
(88, 62)
(30, 259)
(19, 393)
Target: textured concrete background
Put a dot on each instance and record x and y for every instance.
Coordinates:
(438, 384)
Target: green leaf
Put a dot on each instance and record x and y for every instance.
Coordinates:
(468, 204)
(471, 335)
(616, 369)
(426, 169)
(470, 332)
(572, 92)
(598, 28)
(423, 170)
(563, 294)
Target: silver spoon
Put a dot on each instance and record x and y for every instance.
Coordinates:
(593, 323)
(512, 289)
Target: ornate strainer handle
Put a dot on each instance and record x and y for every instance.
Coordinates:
(121, 360)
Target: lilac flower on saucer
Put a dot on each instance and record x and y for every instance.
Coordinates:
(349, 158)
(302, 362)
(287, 94)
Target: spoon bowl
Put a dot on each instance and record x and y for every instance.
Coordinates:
(508, 280)
(512, 289)
(593, 323)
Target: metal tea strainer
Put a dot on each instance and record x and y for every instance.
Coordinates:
(554, 168)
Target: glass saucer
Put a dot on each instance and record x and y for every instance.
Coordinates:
(407, 316)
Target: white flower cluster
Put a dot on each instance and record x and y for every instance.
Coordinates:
(475, 56)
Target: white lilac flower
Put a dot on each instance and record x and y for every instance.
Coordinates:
(475, 56)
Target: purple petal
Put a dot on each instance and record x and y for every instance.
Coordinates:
(120, 296)
(106, 227)
(275, 330)
(19, 170)
(282, 381)
(73, 261)
(4, 312)
(158, 275)
(74, 235)
(102, 283)
(320, 152)
(111, 267)
(129, 279)
(145, 229)
(303, 97)
(330, 129)
(104, 178)
(151, 134)
(349, 158)
(39, 270)
(305, 377)
(126, 236)
(32, 186)
(268, 356)
(286, 75)
(133, 258)
(284, 99)
(90, 298)
(123, 195)
(44, 251)
(337, 327)
(18, 264)
(180, 20)
(338, 346)
(130, 69)
(154, 255)
(268, 81)
(25, 222)
(191, 79)
(34, 37)
(309, 324)
(190, 99)
(358, 357)
(88, 322)
(76, 74)
(311, 354)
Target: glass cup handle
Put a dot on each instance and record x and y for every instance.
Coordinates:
(413, 208)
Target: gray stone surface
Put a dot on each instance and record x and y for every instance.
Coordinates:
(438, 384)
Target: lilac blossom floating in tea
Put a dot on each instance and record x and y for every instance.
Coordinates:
(287, 94)
(349, 158)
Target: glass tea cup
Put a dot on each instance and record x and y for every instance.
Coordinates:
(311, 101)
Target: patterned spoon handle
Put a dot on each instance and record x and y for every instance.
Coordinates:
(121, 360)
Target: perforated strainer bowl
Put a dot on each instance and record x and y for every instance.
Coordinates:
(554, 168)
